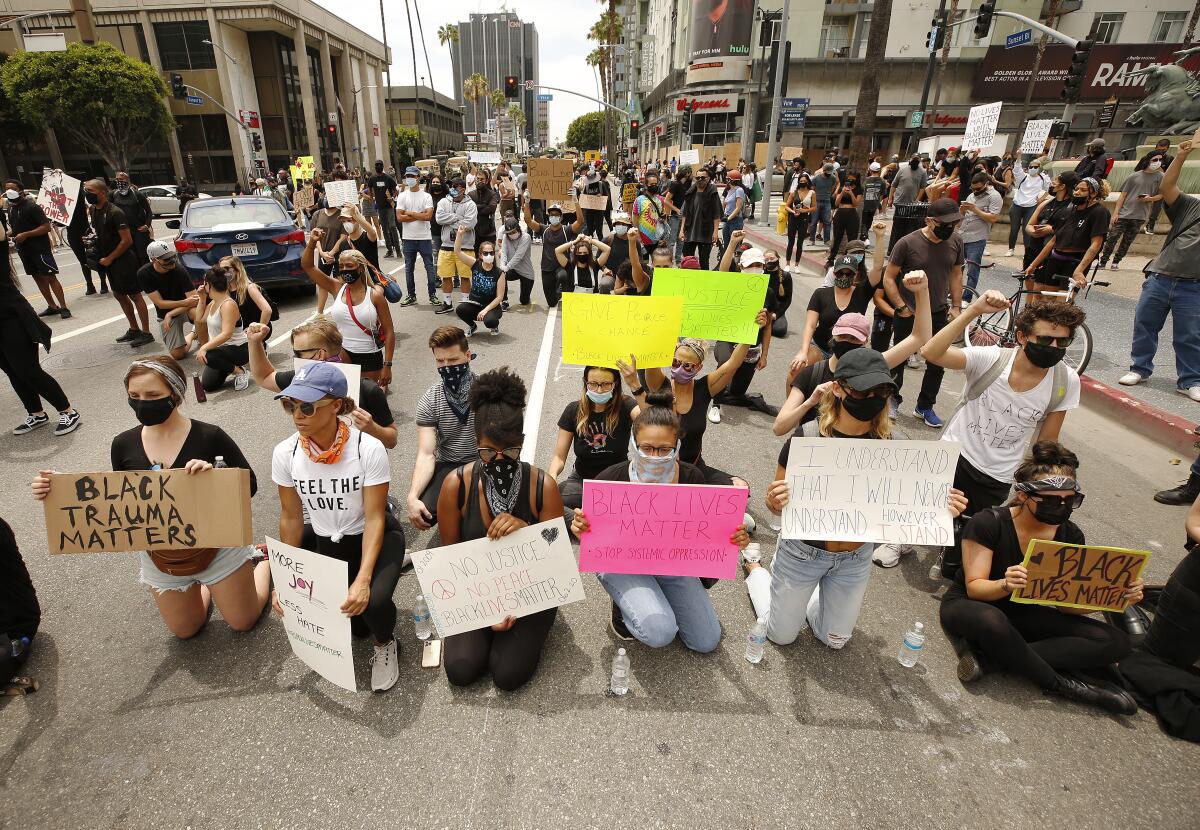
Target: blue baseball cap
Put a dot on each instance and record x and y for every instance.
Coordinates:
(314, 382)
(412, 171)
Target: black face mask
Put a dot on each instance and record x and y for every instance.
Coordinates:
(1079, 200)
(864, 409)
(379, 168)
(841, 347)
(151, 413)
(1051, 510)
(771, 265)
(914, 164)
(652, 189)
(942, 231)
(91, 198)
(349, 276)
(1044, 357)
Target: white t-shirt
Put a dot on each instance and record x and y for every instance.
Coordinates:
(995, 428)
(332, 493)
(415, 202)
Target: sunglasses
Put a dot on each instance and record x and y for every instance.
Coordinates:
(1075, 500)
(290, 405)
(687, 367)
(882, 391)
(1047, 340)
(304, 353)
(487, 455)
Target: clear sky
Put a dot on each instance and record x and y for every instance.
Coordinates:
(562, 28)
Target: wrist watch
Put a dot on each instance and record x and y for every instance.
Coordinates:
(641, 390)
(387, 363)
(901, 309)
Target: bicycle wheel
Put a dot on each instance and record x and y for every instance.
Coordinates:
(988, 329)
(1080, 351)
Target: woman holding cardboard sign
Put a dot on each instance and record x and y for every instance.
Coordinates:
(184, 582)
(493, 497)
(1043, 644)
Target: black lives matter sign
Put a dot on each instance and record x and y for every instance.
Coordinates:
(1080, 576)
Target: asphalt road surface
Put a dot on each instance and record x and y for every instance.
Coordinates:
(134, 729)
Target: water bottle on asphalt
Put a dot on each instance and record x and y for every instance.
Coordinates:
(914, 642)
(620, 673)
(219, 463)
(935, 572)
(756, 641)
(420, 617)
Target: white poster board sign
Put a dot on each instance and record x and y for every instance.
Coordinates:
(855, 490)
(1036, 135)
(343, 192)
(484, 157)
(352, 371)
(311, 588)
(689, 156)
(478, 583)
(981, 126)
(58, 196)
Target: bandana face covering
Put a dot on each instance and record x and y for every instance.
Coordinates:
(457, 382)
(331, 455)
(501, 484)
(648, 469)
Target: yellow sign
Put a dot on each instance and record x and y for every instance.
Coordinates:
(600, 329)
(629, 193)
(1079, 576)
(591, 155)
(303, 170)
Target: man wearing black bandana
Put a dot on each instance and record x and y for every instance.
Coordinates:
(445, 425)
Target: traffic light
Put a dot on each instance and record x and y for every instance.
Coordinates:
(256, 142)
(332, 130)
(983, 23)
(178, 88)
(510, 86)
(633, 129)
(1073, 87)
(935, 39)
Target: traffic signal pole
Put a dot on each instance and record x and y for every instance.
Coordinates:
(776, 105)
(920, 128)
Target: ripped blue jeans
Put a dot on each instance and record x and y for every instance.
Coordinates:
(825, 590)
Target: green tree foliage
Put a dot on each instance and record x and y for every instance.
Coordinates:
(585, 132)
(102, 98)
(406, 146)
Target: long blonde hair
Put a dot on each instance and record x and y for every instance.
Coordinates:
(831, 408)
(240, 283)
(587, 409)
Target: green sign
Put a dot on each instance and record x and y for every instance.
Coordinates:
(717, 305)
(916, 118)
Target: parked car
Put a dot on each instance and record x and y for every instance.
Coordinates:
(253, 228)
(164, 199)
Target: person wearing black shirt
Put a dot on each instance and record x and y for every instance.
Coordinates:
(593, 219)
(138, 213)
(702, 212)
(30, 231)
(166, 439)
(850, 294)
(170, 289)
(1075, 244)
(76, 230)
(1046, 645)
(1049, 215)
(383, 189)
(486, 199)
(114, 240)
(676, 190)
(554, 233)
(20, 615)
(1095, 162)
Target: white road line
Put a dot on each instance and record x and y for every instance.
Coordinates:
(277, 340)
(399, 267)
(537, 392)
(58, 338)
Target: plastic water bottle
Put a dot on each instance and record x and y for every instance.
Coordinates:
(420, 617)
(756, 641)
(935, 572)
(914, 642)
(19, 647)
(620, 673)
(219, 463)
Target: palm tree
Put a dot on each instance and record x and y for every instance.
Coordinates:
(474, 88)
(447, 34)
(868, 89)
(496, 99)
(607, 32)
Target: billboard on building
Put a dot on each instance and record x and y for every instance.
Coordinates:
(1005, 73)
(720, 44)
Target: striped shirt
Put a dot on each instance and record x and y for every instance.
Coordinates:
(455, 440)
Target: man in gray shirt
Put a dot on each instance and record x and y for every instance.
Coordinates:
(909, 181)
(980, 211)
(1138, 195)
(823, 185)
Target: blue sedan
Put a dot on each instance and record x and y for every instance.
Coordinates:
(256, 229)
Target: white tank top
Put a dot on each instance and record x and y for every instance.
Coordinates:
(215, 326)
(354, 339)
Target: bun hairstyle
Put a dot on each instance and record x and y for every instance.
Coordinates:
(1047, 458)
(498, 401)
(217, 277)
(659, 411)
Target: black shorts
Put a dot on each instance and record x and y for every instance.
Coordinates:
(37, 264)
(123, 281)
(369, 361)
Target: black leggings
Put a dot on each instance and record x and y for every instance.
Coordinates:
(1033, 641)
(526, 288)
(549, 287)
(742, 376)
(1175, 633)
(982, 491)
(797, 229)
(221, 362)
(468, 310)
(380, 613)
(845, 228)
(19, 360)
(433, 490)
(510, 657)
(868, 216)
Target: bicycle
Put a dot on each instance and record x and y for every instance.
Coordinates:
(998, 328)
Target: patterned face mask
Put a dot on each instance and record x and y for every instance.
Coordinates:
(502, 483)
(457, 382)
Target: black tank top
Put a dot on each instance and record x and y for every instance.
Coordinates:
(369, 249)
(472, 526)
(695, 421)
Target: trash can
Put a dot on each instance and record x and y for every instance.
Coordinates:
(907, 218)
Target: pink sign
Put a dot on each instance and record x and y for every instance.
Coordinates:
(661, 529)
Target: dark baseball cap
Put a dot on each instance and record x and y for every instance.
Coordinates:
(863, 369)
(845, 263)
(944, 210)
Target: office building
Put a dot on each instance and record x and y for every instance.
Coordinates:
(289, 68)
(436, 116)
(495, 46)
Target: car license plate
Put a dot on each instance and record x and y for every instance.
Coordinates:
(247, 249)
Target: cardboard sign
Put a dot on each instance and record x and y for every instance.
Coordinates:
(551, 179)
(600, 329)
(344, 192)
(661, 529)
(483, 157)
(1036, 135)
(352, 371)
(593, 202)
(857, 490)
(689, 156)
(628, 193)
(148, 510)
(1079, 576)
(58, 196)
(303, 198)
(311, 588)
(478, 583)
(981, 126)
(789, 153)
(717, 305)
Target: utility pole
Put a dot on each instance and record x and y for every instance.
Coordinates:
(81, 10)
(776, 103)
(920, 128)
(387, 109)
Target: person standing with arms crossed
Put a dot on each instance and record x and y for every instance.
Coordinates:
(137, 211)
(414, 209)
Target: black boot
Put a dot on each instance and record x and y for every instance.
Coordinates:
(1185, 493)
(1104, 696)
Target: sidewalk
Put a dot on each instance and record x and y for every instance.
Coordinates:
(1155, 407)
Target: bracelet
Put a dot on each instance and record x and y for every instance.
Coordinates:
(641, 390)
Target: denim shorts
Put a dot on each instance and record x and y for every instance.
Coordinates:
(226, 562)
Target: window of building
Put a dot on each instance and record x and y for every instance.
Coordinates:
(835, 37)
(180, 46)
(1107, 26)
(1168, 27)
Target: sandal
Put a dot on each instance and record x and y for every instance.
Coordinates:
(20, 686)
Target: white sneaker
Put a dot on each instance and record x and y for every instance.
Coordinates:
(916, 362)
(1192, 392)
(242, 381)
(714, 414)
(1011, 252)
(1149, 232)
(1114, 267)
(1130, 379)
(888, 556)
(385, 667)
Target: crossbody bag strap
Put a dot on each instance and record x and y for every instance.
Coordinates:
(1058, 394)
(350, 305)
(973, 390)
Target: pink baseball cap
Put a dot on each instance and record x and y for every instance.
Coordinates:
(691, 262)
(854, 325)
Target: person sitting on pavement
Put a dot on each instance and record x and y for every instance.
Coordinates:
(655, 609)
(327, 455)
(253, 302)
(1051, 647)
(175, 299)
(493, 496)
(184, 582)
(220, 333)
(1012, 398)
(851, 293)
(488, 286)
(822, 583)
(445, 425)
(753, 261)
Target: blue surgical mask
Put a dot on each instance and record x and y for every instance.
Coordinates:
(648, 470)
(599, 397)
(410, 182)
(555, 220)
(454, 193)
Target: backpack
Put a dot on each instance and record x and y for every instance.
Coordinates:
(1058, 391)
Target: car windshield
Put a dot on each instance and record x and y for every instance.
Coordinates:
(212, 215)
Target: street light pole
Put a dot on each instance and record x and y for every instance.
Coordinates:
(776, 96)
(247, 147)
